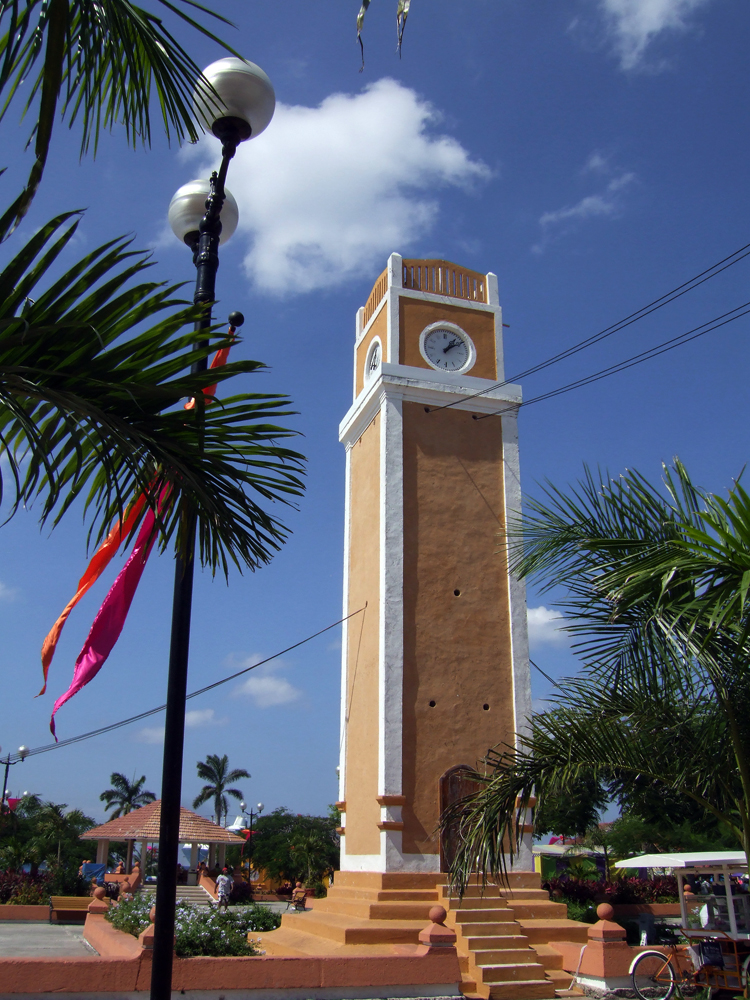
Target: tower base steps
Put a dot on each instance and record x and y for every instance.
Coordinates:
(504, 934)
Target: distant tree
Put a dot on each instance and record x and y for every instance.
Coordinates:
(294, 847)
(570, 811)
(124, 795)
(214, 770)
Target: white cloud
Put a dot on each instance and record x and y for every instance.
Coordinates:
(544, 627)
(265, 687)
(634, 24)
(150, 734)
(193, 719)
(326, 193)
(7, 593)
(203, 717)
(606, 204)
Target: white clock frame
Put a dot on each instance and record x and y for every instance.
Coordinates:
(453, 329)
(374, 343)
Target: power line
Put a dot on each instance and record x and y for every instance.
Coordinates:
(544, 674)
(663, 300)
(160, 708)
(636, 359)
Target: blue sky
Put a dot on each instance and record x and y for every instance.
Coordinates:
(593, 153)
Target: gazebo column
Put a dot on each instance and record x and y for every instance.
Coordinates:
(211, 856)
(129, 857)
(222, 855)
(102, 851)
(144, 855)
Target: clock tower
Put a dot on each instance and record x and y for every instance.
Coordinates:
(435, 669)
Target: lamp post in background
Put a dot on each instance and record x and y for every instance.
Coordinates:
(259, 807)
(237, 105)
(12, 758)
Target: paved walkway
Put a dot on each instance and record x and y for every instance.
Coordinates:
(35, 939)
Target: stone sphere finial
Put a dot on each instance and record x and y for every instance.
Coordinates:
(100, 892)
(604, 911)
(438, 914)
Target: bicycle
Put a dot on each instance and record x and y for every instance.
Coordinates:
(656, 974)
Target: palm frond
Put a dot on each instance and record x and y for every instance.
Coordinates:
(89, 410)
(106, 62)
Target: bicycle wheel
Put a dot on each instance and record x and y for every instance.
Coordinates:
(654, 977)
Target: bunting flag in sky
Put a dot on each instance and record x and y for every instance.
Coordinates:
(99, 562)
(111, 616)
(220, 359)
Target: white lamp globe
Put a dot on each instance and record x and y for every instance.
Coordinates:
(188, 206)
(23, 752)
(246, 99)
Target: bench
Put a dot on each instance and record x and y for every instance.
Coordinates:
(72, 908)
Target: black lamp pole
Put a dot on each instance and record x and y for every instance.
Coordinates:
(22, 754)
(205, 246)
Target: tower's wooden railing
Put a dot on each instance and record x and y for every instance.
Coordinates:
(376, 297)
(437, 276)
(443, 278)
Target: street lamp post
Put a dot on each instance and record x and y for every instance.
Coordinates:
(235, 100)
(259, 807)
(22, 754)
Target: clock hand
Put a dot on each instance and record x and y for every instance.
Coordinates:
(454, 343)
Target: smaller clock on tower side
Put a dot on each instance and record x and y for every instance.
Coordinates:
(435, 668)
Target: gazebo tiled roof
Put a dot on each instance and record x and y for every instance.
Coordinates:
(143, 824)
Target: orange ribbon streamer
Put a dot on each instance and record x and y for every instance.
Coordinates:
(99, 562)
(220, 359)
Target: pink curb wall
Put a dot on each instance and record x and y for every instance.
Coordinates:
(10, 912)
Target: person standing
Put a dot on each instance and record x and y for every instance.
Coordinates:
(224, 888)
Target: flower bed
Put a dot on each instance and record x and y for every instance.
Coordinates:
(200, 930)
(20, 889)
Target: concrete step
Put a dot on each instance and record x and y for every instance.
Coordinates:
(353, 930)
(549, 956)
(499, 915)
(478, 930)
(194, 894)
(544, 931)
(383, 895)
(539, 909)
(517, 879)
(523, 895)
(479, 903)
(480, 942)
(504, 956)
(535, 989)
(375, 911)
(560, 978)
(509, 972)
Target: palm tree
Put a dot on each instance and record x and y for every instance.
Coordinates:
(106, 61)
(124, 796)
(85, 409)
(657, 596)
(86, 406)
(215, 771)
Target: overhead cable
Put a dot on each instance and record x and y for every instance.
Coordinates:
(160, 708)
(663, 300)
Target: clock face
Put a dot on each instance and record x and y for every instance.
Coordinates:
(373, 360)
(446, 350)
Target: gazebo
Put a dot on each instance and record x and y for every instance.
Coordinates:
(142, 826)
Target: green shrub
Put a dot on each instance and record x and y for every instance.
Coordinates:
(577, 910)
(200, 930)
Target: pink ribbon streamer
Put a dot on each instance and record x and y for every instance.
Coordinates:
(111, 616)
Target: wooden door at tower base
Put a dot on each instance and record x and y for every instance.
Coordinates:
(455, 785)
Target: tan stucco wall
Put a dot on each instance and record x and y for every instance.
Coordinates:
(457, 650)
(362, 810)
(415, 315)
(378, 329)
